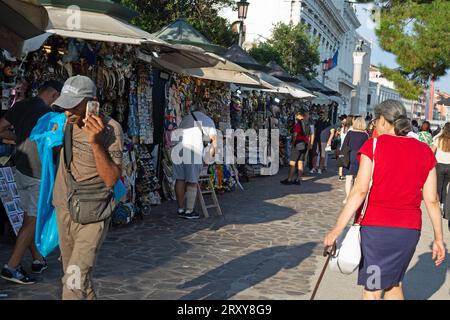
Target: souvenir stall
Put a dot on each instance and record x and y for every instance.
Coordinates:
(125, 92)
(264, 109)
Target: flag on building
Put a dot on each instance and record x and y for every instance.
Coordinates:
(332, 62)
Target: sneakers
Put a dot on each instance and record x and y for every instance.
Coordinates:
(286, 182)
(341, 178)
(319, 171)
(191, 215)
(17, 276)
(188, 215)
(313, 171)
(38, 266)
(297, 182)
(181, 212)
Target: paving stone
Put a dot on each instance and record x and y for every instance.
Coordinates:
(265, 246)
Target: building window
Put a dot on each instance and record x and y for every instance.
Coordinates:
(369, 98)
(315, 31)
(303, 21)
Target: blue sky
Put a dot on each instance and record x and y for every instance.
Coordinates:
(379, 56)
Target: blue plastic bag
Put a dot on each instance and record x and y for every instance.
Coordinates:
(46, 139)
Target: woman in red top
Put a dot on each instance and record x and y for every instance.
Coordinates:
(390, 229)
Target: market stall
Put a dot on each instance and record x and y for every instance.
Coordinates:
(120, 58)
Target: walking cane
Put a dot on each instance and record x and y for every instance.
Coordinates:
(329, 253)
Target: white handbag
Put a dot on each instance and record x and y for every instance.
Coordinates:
(347, 257)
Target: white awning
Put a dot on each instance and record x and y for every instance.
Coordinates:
(102, 27)
(279, 86)
(321, 99)
(224, 71)
(94, 26)
(20, 20)
(336, 99)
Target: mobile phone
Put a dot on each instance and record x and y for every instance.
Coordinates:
(93, 107)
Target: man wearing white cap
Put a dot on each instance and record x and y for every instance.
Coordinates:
(92, 152)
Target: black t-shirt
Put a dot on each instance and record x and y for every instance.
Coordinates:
(23, 116)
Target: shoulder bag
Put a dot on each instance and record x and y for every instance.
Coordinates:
(344, 154)
(347, 256)
(89, 201)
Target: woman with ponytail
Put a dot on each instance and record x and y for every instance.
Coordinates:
(403, 173)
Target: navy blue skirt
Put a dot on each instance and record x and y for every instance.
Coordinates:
(386, 254)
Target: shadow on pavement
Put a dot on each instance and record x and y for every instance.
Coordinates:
(244, 272)
(423, 280)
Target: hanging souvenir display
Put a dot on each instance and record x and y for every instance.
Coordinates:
(145, 104)
(124, 90)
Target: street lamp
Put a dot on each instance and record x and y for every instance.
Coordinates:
(242, 15)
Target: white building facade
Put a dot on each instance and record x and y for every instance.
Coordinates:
(382, 89)
(334, 23)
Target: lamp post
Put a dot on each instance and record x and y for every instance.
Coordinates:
(242, 15)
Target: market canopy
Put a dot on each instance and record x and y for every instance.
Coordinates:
(321, 99)
(283, 87)
(241, 57)
(20, 20)
(224, 71)
(98, 26)
(315, 85)
(182, 32)
(277, 71)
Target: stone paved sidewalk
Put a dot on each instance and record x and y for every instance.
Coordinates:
(266, 246)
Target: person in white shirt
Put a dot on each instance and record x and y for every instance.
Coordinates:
(198, 136)
(441, 147)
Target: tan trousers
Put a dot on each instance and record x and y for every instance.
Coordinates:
(79, 245)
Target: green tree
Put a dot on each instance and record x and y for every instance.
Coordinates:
(418, 33)
(202, 14)
(291, 46)
(264, 53)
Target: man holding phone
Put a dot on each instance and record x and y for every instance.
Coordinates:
(97, 144)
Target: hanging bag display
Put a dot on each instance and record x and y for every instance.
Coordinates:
(347, 256)
(89, 201)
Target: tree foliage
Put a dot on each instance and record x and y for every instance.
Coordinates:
(265, 53)
(418, 33)
(202, 14)
(290, 46)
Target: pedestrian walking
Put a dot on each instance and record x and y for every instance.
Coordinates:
(441, 147)
(425, 134)
(90, 164)
(324, 133)
(354, 140)
(23, 116)
(390, 229)
(342, 133)
(302, 143)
